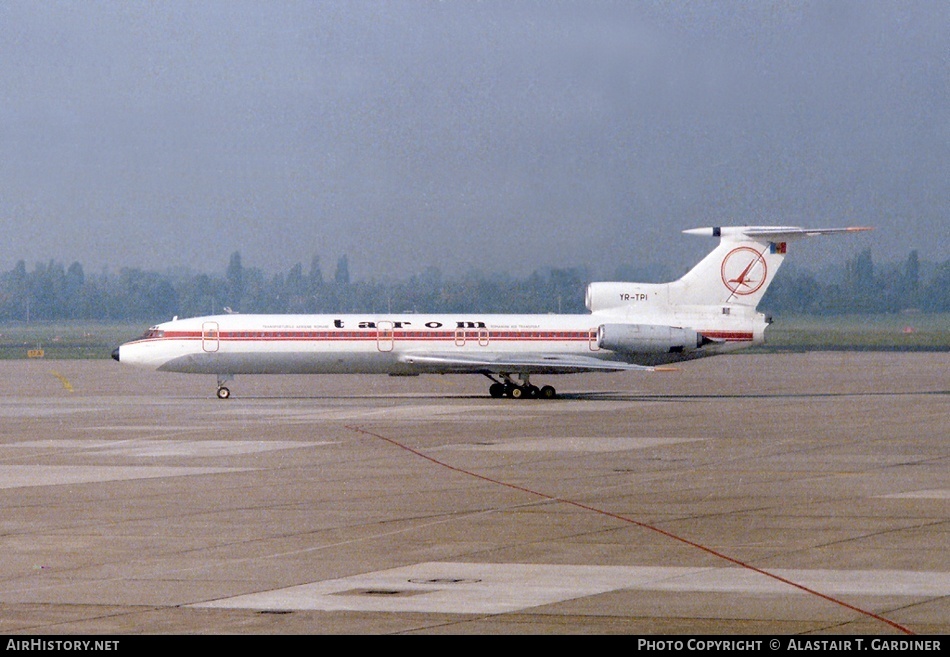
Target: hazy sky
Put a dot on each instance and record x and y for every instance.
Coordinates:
(502, 136)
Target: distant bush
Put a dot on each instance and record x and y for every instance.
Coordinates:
(53, 292)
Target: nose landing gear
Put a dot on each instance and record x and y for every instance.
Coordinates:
(223, 392)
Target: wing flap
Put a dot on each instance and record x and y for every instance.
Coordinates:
(521, 363)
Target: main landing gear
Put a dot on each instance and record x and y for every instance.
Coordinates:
(521, 389)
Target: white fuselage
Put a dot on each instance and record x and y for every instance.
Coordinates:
(387, 344)
(708, 311)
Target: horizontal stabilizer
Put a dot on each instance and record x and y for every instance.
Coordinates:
(770, 233)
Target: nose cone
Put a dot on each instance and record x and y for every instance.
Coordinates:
(115, 354)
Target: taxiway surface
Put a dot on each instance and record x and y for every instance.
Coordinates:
(747, 494)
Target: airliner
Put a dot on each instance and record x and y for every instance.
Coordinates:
(711, 310)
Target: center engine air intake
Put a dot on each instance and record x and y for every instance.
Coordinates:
(648, 338)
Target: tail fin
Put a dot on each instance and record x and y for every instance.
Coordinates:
(741, 268)
(736, 273)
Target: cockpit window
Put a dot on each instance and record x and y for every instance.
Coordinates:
(152, 333)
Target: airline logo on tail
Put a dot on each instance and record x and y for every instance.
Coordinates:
(744, 270)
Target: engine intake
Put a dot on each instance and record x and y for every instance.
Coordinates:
(648, 338)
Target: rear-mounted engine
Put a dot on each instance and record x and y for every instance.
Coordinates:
(648, 338)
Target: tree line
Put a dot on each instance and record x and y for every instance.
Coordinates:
(51, 291)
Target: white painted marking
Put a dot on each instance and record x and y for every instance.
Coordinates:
(157, 428)
(20, 476)
(472, 588)
(571, 444)
(420, 412)
(155, 448)
(27, 410)
(353, 413)
(830, 582)
(935, 494)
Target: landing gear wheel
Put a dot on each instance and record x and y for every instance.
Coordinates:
(532, 392)
(547, 392)
(223, 393)
(515, 392)
(496, 390)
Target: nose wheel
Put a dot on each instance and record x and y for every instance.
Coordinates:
(223, 391)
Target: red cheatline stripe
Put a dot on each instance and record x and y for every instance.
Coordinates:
(631, 521)
(371, 335)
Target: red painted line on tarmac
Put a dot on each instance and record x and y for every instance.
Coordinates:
(631, 521)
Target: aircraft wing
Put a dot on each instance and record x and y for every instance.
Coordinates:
(520, 363)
